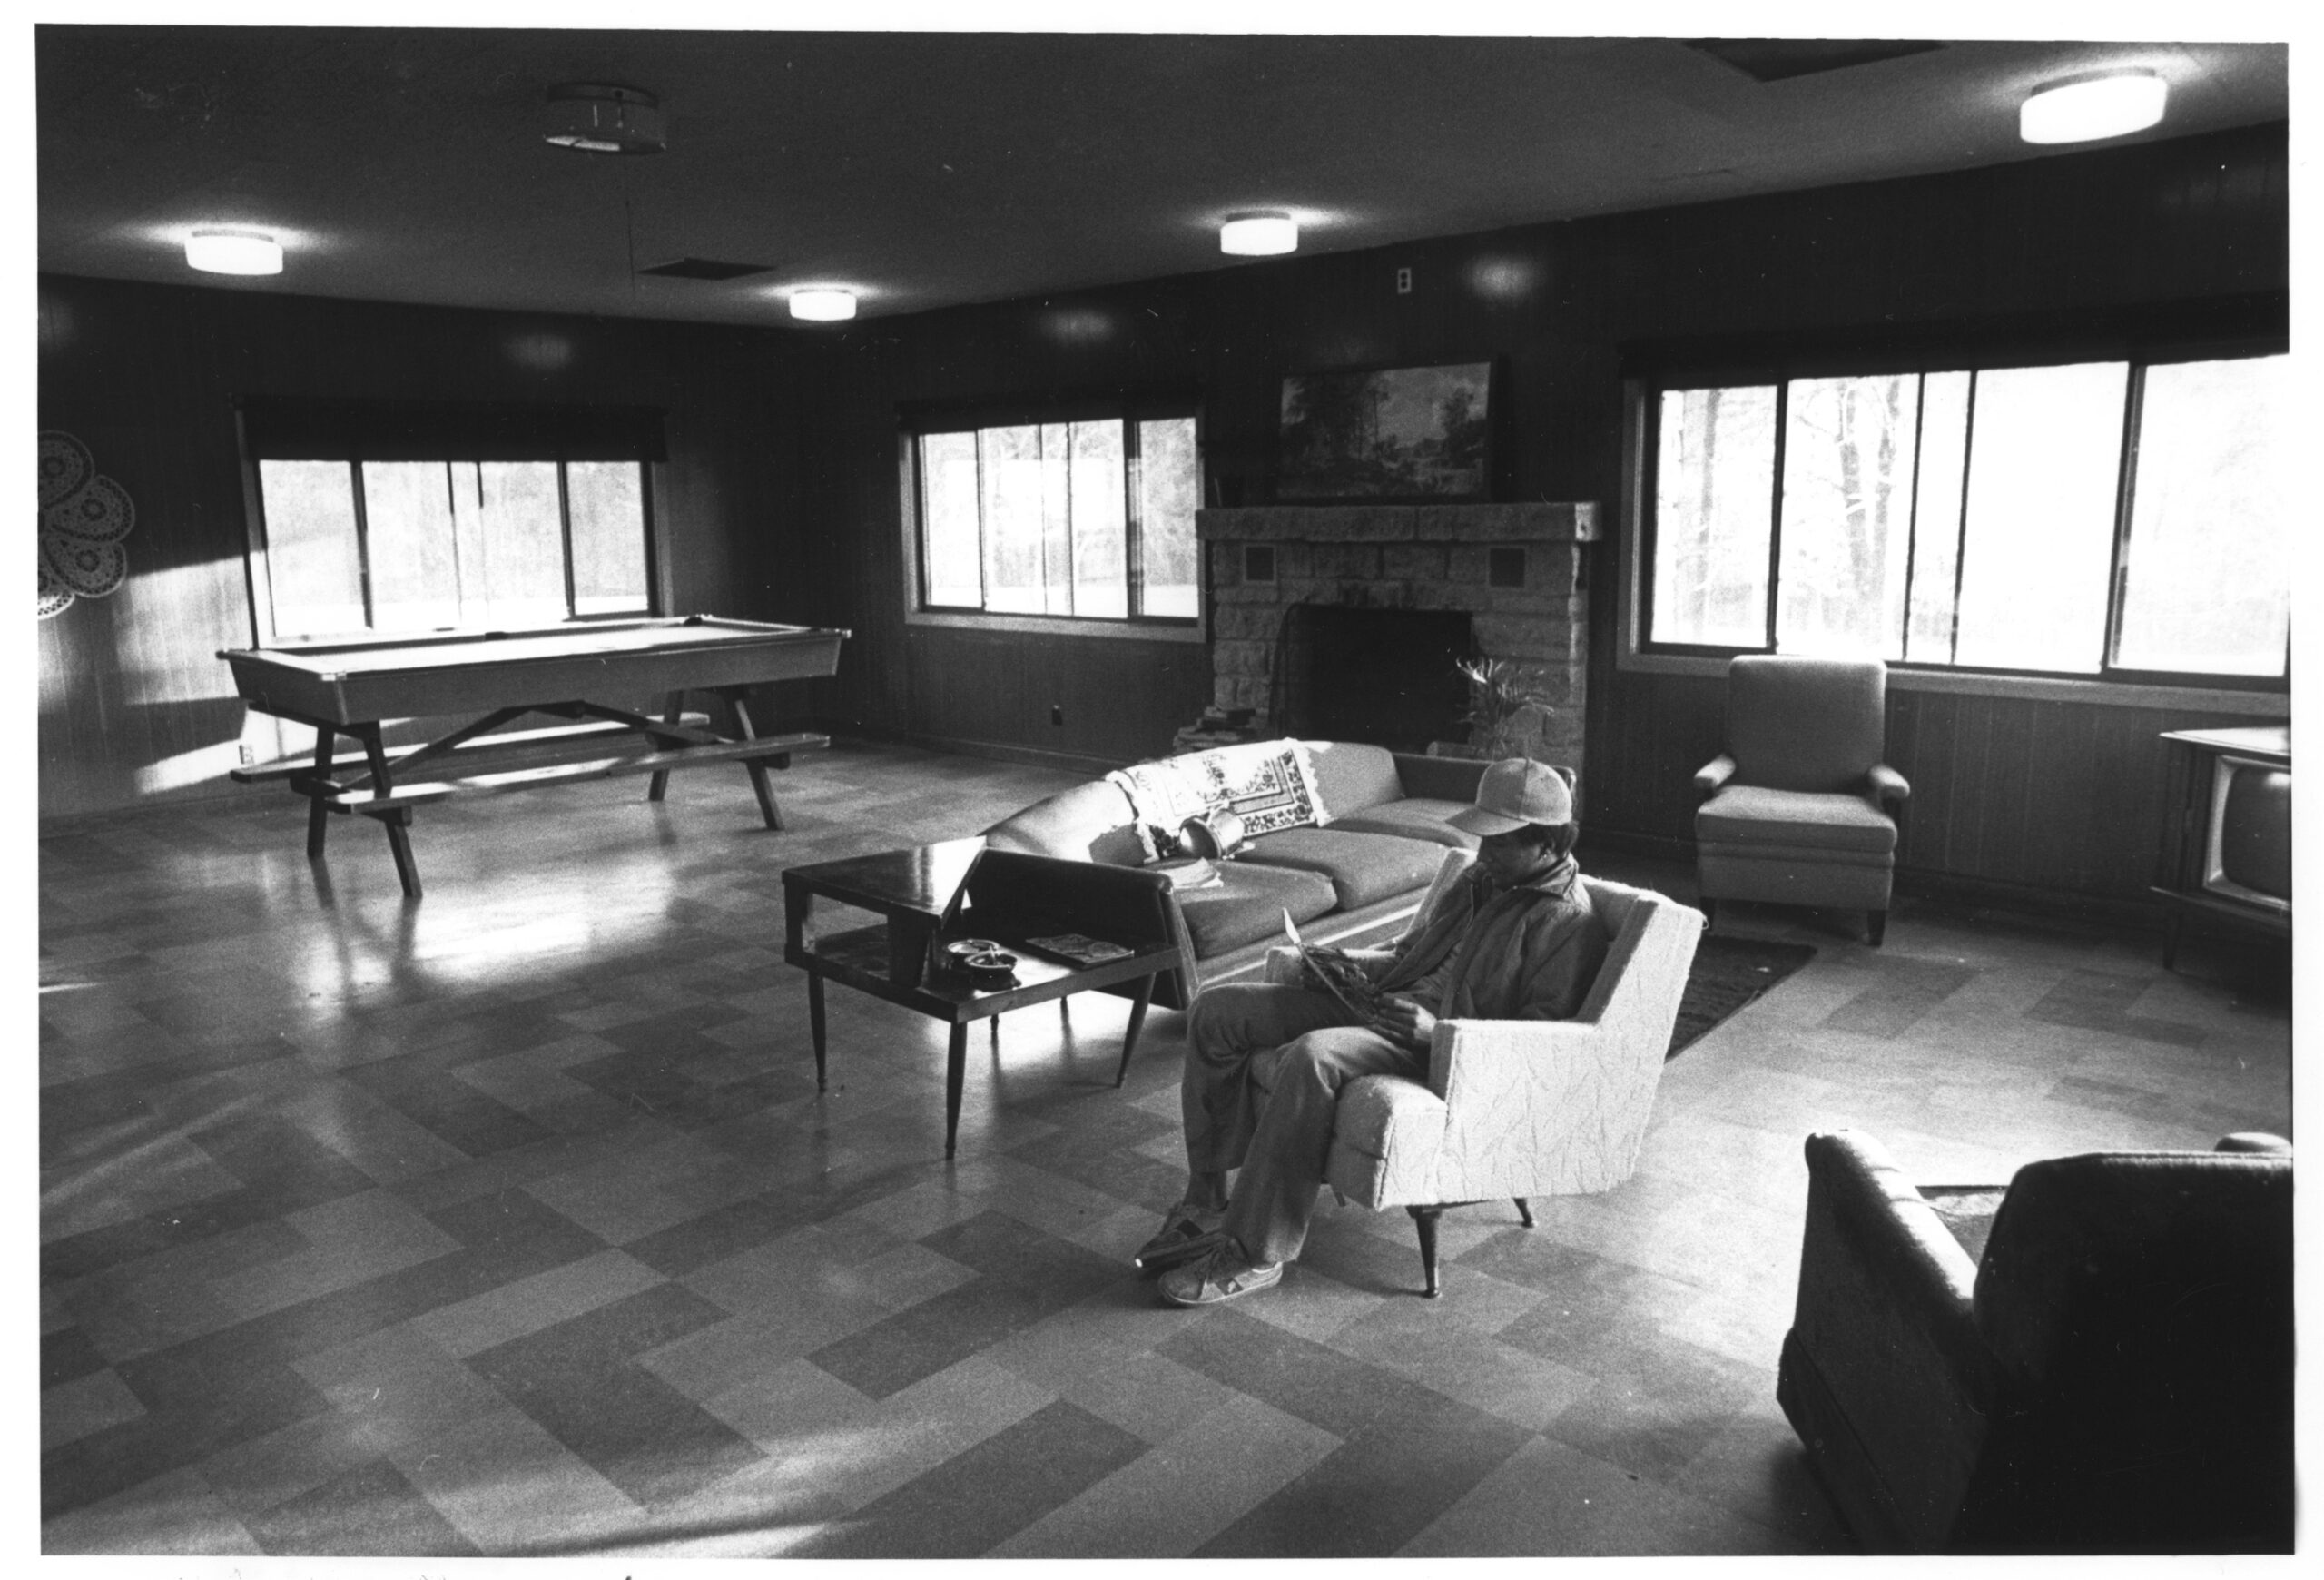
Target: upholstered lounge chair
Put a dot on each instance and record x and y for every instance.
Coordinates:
(1516, 1109)
(1800, 809)
(2102, 1365)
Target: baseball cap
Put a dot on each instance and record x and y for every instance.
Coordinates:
(1514, 792)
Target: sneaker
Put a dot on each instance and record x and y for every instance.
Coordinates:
(1187, 1231)
(1223, 1274)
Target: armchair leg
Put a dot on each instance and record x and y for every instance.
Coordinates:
(1524, 1213)
(1876, 923)
(1424, 1219)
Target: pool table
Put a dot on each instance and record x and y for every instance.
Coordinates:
(353, 689)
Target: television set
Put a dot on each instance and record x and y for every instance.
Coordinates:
(2227, 835)
(2247, 851)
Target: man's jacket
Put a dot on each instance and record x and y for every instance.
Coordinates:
(1524, 954)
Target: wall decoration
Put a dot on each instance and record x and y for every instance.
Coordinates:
(83, 517)
(1387, 433)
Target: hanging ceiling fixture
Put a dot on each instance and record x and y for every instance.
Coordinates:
(823, 305)
(2084, 109)
(603, 118)
(1259, 236)
(217, 252)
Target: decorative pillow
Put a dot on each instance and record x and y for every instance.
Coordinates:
(1269, 784)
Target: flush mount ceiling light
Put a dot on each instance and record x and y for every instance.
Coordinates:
(215, 252)
(1258, 236)
(2084, 109)
(603, 118)
(823, 306)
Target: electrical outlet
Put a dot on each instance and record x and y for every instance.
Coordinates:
(250, 758)
(1403, 282)
(1057, 714)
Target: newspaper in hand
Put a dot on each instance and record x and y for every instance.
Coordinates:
(1347, 981)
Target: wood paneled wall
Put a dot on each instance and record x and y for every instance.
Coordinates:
(134, 706)
(783, 496)
(2000, 796)
(2056, 799)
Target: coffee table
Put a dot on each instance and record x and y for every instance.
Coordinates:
(932, 894)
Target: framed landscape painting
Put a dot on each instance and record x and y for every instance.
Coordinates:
(1387, 433)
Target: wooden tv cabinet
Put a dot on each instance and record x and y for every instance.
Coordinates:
(2180, 874)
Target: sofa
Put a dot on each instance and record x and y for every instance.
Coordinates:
(1383, 825)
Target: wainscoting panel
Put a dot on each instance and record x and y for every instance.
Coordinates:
(1120, 700)
(2057, 797)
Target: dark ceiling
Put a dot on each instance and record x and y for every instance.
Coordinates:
(927, 169)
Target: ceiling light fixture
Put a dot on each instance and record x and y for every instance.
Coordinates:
(823, 306)
(233, 252)
(2084, 109)
(1259, 236)
(603, 118)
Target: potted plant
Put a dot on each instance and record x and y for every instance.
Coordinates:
(1508, 709)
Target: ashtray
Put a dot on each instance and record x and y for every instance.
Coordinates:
(962, 949)
(988, 968)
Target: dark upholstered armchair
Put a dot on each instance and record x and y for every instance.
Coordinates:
(1800, 809)
(2098, 1359)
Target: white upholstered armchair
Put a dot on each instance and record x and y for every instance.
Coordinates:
(1515, 1109)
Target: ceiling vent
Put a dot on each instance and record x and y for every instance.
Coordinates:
(1771, 60)
(706, 269)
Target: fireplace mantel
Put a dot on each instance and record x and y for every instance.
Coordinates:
(1540, 522)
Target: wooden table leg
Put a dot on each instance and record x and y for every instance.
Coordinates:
(760, 785)
(815, 1025)
(318, 814)
(673, 709)
(1136, 1020)
(956, 1065)
(396, 820)
(398, 823)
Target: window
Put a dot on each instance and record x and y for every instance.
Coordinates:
(1089, 517)
(415, 545)
(2101, 517)
(393, 520)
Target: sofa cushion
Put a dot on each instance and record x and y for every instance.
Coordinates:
(1363, 868)
(1414, 817)
(1754, 814)
(1088, 822)
(1350, 777)
(1248, 903)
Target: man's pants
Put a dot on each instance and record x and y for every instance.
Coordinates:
(1265, 1065)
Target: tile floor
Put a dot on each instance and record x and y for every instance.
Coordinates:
(511, 1222)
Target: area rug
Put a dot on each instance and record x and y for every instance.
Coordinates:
(1730, 973)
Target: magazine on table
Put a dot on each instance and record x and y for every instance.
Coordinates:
(1079, 949)
(1347, 981)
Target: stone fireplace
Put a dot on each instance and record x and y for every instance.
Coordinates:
(1515, 569)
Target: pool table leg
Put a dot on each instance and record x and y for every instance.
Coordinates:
(673, 709)
(318, 814)
(396, 820)
(760, 785)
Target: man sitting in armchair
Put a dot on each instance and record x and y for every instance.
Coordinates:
(1513, 939)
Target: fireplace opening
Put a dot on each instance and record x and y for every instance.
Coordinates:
(1385, 676)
